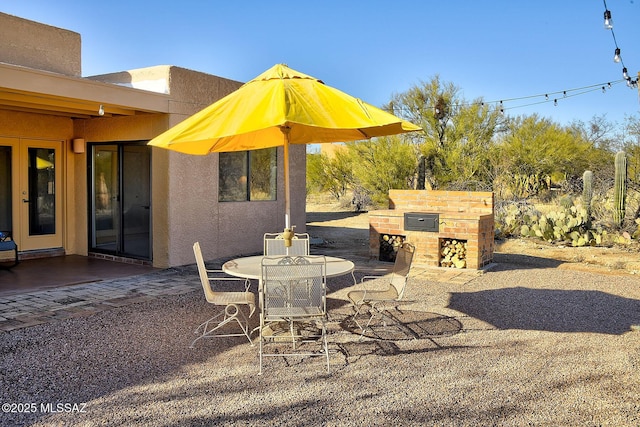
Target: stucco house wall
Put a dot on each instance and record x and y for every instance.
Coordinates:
(192, 212)
(39, 46)
(184, 188)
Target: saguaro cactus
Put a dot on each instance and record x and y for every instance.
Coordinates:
(587, 189)
(620, 189)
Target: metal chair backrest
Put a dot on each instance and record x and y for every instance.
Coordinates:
(401, 268)
(293, 287)
(202, 271)
(274, 244)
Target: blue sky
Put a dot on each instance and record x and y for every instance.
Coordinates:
(371, 49)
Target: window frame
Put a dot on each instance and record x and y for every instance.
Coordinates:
(225, 190)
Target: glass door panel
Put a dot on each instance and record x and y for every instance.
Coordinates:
(41, 191)
(6, 211)
(120, 200)
(136, 200)
(40, 194)
(106, 198)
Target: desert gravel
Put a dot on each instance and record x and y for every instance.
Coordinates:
(521, 345)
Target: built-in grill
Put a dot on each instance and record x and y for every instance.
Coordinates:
(421, 221)
(447, 228)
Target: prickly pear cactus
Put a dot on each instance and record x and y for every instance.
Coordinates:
(566, 225)
(620, 188)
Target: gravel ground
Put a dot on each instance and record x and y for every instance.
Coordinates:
(518, 345)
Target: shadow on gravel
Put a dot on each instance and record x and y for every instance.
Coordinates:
(550, 310)
(330, 216)
(353, 351)
(398, 324)
(523, 262)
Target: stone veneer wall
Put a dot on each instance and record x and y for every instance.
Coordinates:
(464, 215)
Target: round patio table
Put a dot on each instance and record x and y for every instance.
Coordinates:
(251, 267)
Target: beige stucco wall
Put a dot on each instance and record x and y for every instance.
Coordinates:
(223, 229)
(49, 127)
(107, 129)
(43, 47)
(230, 228)
(52, 128)
(184, 188)
(20, 124)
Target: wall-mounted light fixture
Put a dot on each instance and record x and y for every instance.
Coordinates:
(101, 110)
(78, 145)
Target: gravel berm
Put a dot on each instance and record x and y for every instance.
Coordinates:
(520, 345)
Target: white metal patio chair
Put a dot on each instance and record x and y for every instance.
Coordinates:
(274, 244)
(377, 300)
(230, 300)
(293, 293)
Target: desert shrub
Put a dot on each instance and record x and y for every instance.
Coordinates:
(361, 200)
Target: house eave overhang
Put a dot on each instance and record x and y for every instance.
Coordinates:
(43, 92)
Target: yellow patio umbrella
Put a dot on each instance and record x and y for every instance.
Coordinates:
(280, 107)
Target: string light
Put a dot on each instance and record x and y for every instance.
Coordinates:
(542, 98)
(617, 57)
(608, 22)
(569, 93)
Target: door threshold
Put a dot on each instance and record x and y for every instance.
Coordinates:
(120, 259)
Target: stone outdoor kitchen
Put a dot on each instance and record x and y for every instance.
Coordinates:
(439, 224)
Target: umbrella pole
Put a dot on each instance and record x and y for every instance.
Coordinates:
(288, 229)
(287, 193)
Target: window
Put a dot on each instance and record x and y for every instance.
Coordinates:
(247, 175)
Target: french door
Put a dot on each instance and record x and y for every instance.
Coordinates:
(120, 200)
(31, 192)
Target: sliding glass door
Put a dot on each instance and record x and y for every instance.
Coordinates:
(120, 200)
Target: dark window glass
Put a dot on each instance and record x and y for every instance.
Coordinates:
(247, 175)
(5, 188)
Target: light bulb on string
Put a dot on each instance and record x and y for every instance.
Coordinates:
(608, 22)
(624, 73)
(616, 56)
